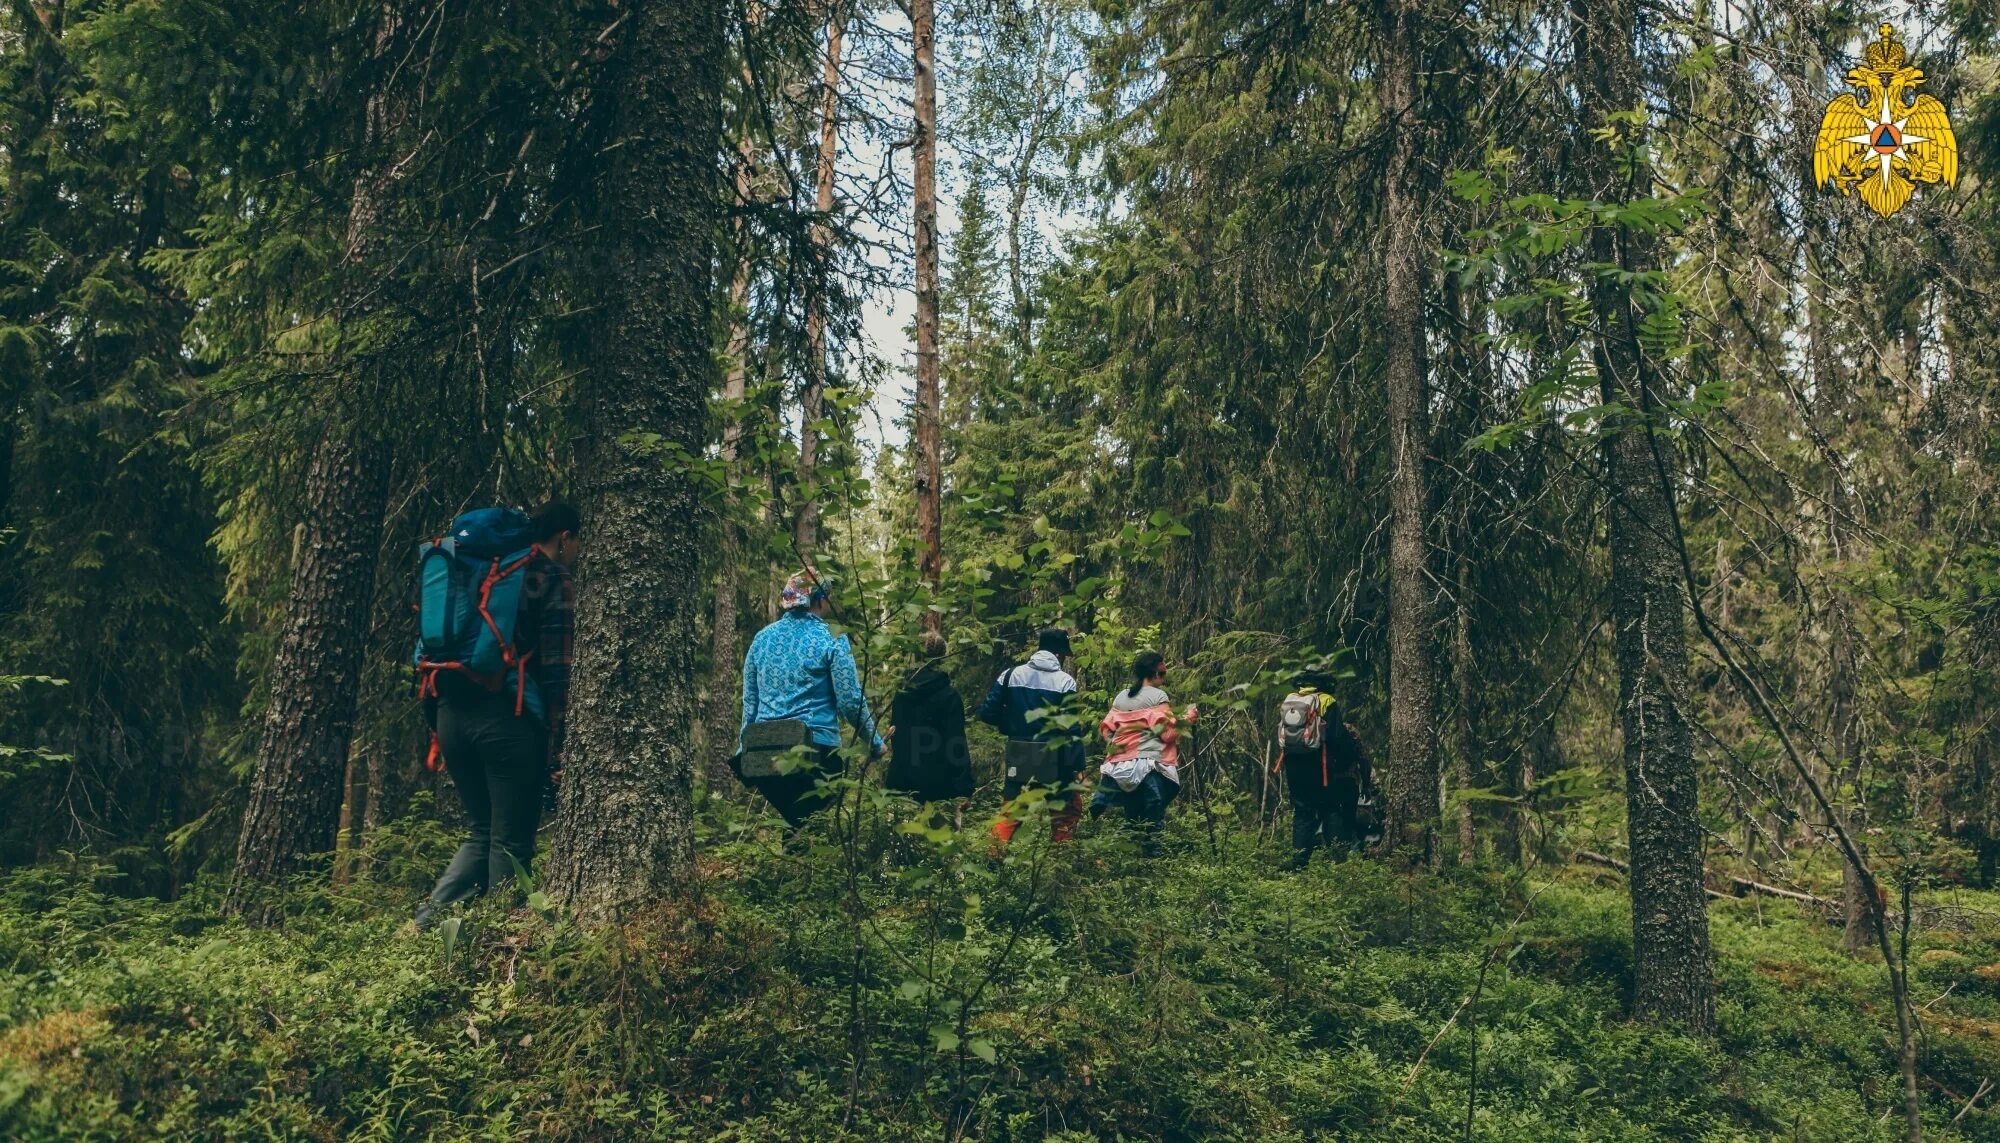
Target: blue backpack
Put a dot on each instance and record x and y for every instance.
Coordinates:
(469, 602)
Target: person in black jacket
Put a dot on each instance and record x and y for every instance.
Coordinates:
(928, 757)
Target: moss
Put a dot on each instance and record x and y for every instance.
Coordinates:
(1203, 997)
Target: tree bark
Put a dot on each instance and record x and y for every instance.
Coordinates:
(1673, 972)
(1021, 179)
(927, 463)
(625, 833)
(296, 792)
(723, 678)
(1461, 669)
(295, 795)
(1412, 789)
(805, 530)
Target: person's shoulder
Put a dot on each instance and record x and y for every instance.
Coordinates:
(544, 578)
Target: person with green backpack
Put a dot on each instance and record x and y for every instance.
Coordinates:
(495, 638)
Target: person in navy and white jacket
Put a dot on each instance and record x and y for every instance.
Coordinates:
(1017, 704)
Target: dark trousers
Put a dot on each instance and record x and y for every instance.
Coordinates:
(793, 795)
(499, 763)
(1146, 804)
(1323, 805)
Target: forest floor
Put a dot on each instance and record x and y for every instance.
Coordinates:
(897, 985)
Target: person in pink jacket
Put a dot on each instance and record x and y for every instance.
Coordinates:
(1141, 773)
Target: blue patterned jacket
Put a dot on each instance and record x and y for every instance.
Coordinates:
(798, 668)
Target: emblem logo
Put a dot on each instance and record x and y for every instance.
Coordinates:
(1884, 138)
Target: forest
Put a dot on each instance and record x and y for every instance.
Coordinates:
(1574, 415)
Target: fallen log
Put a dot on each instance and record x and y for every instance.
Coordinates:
(1742, 885)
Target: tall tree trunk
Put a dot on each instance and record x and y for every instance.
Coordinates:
(347, 835)
(625, 835)
(805, 530)
(723, 679)
(296, 792)
(1461, 670)
(927, 463)
(1021, 179)
(1412, 788)
(1674, 978)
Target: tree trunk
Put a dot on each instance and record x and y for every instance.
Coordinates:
(1021, 179)
(295, 795)
(1461, 669)
(353, 810)
(378, 785)
(805, 529)
(926, 462)
(1673, 973)
(723, 678)
(296, 792)
(625, 832)
(1412, 787)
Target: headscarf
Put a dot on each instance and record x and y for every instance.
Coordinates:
(802, 590)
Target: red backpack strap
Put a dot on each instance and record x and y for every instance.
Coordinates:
(494, 574)
(434, 759)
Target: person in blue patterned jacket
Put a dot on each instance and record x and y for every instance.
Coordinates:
(797, 668)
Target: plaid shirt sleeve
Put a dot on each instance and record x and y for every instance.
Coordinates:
(555, 650)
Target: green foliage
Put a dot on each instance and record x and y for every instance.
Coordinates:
(1067, 992)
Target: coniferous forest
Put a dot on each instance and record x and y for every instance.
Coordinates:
(1000, 570)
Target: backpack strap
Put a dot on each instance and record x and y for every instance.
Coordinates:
(494, 574)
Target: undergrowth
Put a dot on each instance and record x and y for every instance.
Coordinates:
(896, 983)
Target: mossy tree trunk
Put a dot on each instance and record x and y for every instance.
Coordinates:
(625, 833)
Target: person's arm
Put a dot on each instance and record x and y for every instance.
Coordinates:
(957, 754)
(1362, 765)
(555, 651)
(750, 696)
(993, 712)
(848, 696)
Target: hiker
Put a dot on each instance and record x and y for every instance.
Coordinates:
(928, 757)
(495, 618)
(799, 682)
(1325, 767)
(1041, 753)
(1141, 773)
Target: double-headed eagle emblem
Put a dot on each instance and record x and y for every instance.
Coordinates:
(1884, 138)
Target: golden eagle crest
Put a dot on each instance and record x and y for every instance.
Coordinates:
(1884, 137)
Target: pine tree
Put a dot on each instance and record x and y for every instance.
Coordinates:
(1673, 974)
(1412, 786)
(626, 833)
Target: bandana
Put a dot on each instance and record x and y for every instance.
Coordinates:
(802, 590)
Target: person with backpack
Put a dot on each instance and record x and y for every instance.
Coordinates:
(1041, 753)
(1141, 773)
(496, 631)
(799, 683)
(1325, 768)
(928, 755)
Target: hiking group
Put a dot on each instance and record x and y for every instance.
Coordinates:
(494, 606)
